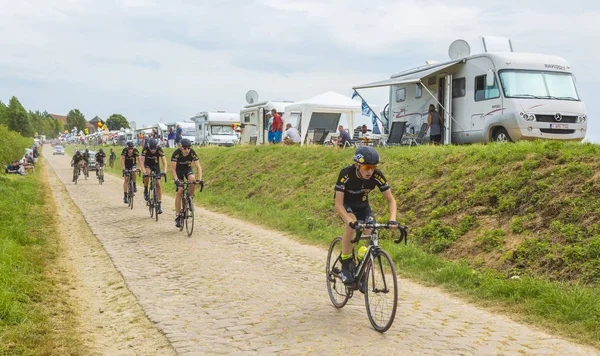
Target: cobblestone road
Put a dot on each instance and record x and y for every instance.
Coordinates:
(236, 288)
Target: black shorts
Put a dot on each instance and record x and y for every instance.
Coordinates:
(361, 212)
(183, 174)
(154, 168)
(100, 163)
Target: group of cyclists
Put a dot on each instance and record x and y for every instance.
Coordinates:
(183, 161)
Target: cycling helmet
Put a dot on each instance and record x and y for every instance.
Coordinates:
(153, 144)
(366, 155)
(87, 151)
(77, 153)
(186, 143)
(101, 151)
(130, 144)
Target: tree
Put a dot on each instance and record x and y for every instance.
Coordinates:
(59, 127)
(75, 119)
(17, 118)
(3, 109)
(116, 121)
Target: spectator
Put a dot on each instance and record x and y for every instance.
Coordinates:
(171, 138)
(27, 167)
(436, 123)
(292, 136)
(277, 126)
(270, 132)
(344, 137)
(178, 134)
(15, 168)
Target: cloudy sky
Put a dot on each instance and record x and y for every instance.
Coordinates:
(154, 60)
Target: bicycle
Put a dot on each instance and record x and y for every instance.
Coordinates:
(86, 170)
(374, 275)
(100, 173)
(130, 189)
(187, 206)
(152, 202)
(76, 172)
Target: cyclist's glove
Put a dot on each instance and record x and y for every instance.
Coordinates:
(352, 224)
(392, 223)
(124, 172)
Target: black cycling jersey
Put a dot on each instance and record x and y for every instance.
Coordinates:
(77, 158)
(184, 163)
(130, 159)
(100, 156)
(356, 190)
(151, 159)
(86, 156)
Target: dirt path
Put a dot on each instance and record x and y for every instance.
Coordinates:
(111, 321)
(238, 288)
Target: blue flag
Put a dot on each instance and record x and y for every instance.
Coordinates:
(376, 130)
(354, 95)
(365, 109)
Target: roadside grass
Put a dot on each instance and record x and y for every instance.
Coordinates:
(514, 227)
(35, 318)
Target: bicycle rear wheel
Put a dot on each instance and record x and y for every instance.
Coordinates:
(333, 271)
(189, 218)
(381, 292)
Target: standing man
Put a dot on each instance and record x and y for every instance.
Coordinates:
(181, 167)
(178, 135)
(277, 126)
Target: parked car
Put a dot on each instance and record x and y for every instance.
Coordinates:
(92, 162)
(58, 150)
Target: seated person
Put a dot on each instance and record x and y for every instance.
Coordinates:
(344, 137)
(292, 136)
(28, 167)
(15, 168)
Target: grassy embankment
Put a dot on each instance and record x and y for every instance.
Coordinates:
(478, 214)
(35, 317)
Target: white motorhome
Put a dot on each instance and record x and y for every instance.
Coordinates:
(215, 128)
(188, 130)
(254, 122)
(491, 96)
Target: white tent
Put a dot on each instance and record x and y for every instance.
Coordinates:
(329, 102)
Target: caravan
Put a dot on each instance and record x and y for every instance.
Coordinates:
(254, 122)
(492, 96)
(216, 128)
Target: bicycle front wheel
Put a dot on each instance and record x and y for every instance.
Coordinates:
(189, 217)
(333, 271)
(130, 194)
(381, 292)
(155, 202)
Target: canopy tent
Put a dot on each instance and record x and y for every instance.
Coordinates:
(326, 103)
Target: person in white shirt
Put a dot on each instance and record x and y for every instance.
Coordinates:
(292, 136)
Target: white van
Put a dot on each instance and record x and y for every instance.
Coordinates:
(491, 96)
(216, 128)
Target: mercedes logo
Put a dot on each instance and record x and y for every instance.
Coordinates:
(557, 116)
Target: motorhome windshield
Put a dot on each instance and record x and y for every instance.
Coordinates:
(538, 85)
(221, 130)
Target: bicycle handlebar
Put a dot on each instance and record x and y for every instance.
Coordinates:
(187, 182)
(402, 229)
(162, 174)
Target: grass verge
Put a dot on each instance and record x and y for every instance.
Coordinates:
(35, 317)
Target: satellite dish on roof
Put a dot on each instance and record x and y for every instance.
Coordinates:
(252, 97)
(459, 49)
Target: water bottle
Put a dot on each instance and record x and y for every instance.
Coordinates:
(361, 252)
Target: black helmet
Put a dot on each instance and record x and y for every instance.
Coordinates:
(186, 143)
(77, 153)
(101, 151)
(366, 155)
(153, 144)
(86, 150)
(130, 144)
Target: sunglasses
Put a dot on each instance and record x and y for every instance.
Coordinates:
(185, 148)
(368, 167)
(130, 148)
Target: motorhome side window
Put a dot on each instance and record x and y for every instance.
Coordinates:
(459, 87)
(418, 91)
(247, 118)
(400, 95)
(483, 92)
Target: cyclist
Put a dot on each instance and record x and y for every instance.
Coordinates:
(100, 156)
(76, 161)
(128, 158)
(112, 158)
(352, 190)
(181, 167)
(149, 162)
(86, 160)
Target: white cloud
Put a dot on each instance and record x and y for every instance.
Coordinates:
(150, 59)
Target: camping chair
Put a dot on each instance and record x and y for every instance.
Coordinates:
(396, 133)
(420, 136)
(252, 141)
(319, 136)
